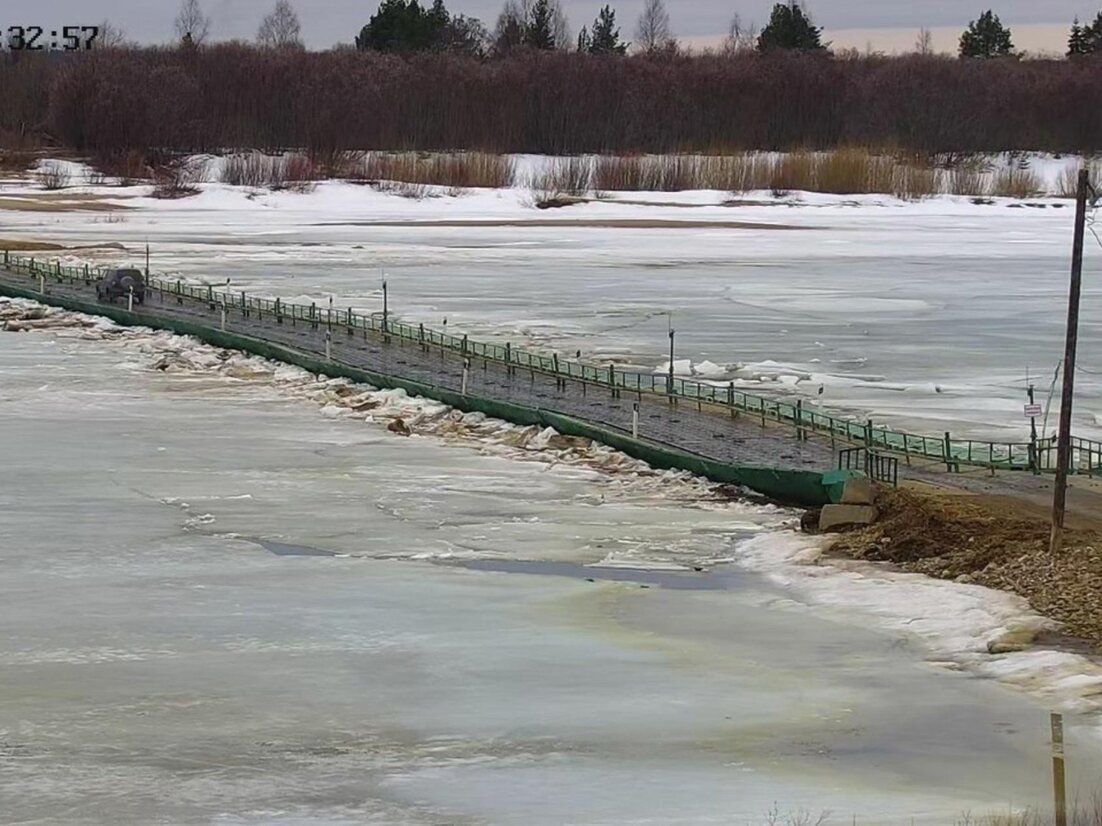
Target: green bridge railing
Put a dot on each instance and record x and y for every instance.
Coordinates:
(1039, 457)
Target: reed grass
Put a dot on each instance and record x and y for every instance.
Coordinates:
(1016, 181)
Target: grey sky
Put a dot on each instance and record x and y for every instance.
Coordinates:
(326, 22)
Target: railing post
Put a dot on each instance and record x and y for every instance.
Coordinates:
(328, 346)
(948, 452)
(466, 375)
(421, 332)
(635, 420)
(464, 344)
(868, 433)
(800, 434)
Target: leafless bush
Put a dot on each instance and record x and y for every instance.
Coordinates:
(251, 169)
(968, 177)
(178, 178)
(53, 175)
(298, 173)
(1015, 181)
(127, 168)
(404, 189)
(17, 161)
(1068, 184)
(563, 179)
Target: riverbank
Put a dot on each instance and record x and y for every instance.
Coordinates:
(998, 541)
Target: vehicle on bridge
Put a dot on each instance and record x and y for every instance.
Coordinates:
(118, 283)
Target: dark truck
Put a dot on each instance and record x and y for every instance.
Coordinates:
(118, 284)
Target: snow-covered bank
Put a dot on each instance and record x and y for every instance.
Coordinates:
(959, 625)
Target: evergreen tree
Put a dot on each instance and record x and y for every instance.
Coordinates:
(986, 37)
(606, 36)
(1077, 42)
(539, 33)
(404, 26)
(1092, 36)
(790, 27)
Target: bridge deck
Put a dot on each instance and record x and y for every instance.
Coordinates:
(697, 428)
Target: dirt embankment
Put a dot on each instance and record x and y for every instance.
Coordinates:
(991, 541)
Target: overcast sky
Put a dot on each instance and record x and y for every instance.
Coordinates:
(325, 22)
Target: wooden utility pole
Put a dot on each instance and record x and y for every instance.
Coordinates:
(1063, 443)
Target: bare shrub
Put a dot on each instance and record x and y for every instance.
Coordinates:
(852, 172)
(127, 168)
(404, 189)
(1015, 181)
(17, 161)
(249, 169)
(570, 177)
(297, 173)
(1068, 184)
(178, 178)
(969, 178)
(53, 175)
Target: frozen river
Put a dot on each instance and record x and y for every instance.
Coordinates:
(224, 601)
(927, 316)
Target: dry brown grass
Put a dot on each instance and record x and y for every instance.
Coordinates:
(970, 179)
(454, 171)
(1017, 181)
(790, 172)
(916, 180)
(851, 172)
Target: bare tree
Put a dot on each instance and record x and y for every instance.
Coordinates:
(280, 29)
(652, 32)
(924, 43)
(109, 36)
(741, 37)
(192, 26)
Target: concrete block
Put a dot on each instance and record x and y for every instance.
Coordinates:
(834, 517)
(859, 491)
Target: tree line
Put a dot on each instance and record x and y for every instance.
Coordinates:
(228, 95)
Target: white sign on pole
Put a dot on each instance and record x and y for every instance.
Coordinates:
(1032, 411)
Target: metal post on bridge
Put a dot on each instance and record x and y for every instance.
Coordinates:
(466, 375)
(635, 420)
(223, 316)
(669, 379)
(130, 304)
(328, 346)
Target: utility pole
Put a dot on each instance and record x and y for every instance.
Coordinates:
(1063, 443)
